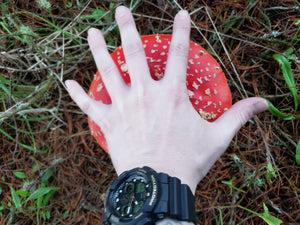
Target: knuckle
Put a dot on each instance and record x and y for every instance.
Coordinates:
(243, 116)
(85, 106)
(107, 71)
(134, 49)
(179, 49)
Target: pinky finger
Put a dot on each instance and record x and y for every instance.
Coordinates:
(94, 109)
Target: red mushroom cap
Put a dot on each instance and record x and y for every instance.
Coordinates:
(206, 83)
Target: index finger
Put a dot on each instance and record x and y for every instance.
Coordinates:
(133, 48)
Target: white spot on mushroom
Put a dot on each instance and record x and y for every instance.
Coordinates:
(205, 78)
(201, 52)
(196, 57)
(155, 45)
(220, 103)
(99, 87)
(214, 75)
(191, 61)
(146, 41)
(159, 75)
(215, 105)
(196, 102)
(200, 98)
(207, 115)
(196, 86)
(190, 93)
(201, 70)
(196, 71)
(208, 64)
(157, 37)
(153, 51)
(200, 80)
(207, 91)
(163, 53)
(207, 69)
(165, 47)
(151, 60)
(124, 67)
(145, 46)
(217, 68)
(215, 91)
(208, 104)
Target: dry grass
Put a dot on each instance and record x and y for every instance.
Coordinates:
(43, 132)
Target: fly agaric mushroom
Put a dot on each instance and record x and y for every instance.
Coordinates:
(206, 83)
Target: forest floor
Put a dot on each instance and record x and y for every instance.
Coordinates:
(46, 147)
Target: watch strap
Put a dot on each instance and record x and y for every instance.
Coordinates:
(177, 200)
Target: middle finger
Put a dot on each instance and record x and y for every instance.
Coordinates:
(133, 48)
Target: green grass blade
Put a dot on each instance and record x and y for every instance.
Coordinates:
(41, 192)
(23, 145)
(272, 109)
(16, 199)
(69, 35)
(298, 153)
(20, 174)
(270, 220)
(288, 76)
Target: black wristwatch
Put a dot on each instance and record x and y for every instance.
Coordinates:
(141, 197)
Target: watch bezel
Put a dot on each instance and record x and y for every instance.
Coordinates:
(149, 204)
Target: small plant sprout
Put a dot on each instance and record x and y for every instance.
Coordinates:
(44, 4)
(27, 35)
(270, 172)
(231, 186)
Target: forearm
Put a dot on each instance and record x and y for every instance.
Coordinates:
(173, 222)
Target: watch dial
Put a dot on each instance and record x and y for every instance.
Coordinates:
(130, 196)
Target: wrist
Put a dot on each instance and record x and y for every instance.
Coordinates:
(185, 176)
(173, 222)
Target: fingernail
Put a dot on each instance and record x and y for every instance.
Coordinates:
(92, 32)
(68, 84)
(260, 106)
(183, 13)
(121, 10)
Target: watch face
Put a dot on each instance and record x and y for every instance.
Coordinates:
(131, 195)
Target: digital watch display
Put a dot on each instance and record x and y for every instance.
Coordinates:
(130, 196)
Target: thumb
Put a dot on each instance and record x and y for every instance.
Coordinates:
(234, 118)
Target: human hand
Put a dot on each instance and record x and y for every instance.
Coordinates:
(153, 123)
